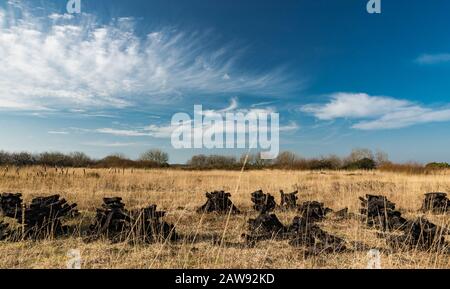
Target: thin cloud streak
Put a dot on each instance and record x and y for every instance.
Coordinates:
(433, 58)
(112, 144)
(165, 131)
(375, 112)
(77, 62)
(59, 132)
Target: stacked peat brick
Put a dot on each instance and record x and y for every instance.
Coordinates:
(313, 211)
(263, 203)
(219, 202)
(307, 233)
(414, 234)
(380, 213)
(266, 225)
(11, 204)
(303, 231)
(420, 234)
(111, 221)
(436, 203)
(149, 224)
(288, 201)
(4, 231)
(41, 219)
(117, 224)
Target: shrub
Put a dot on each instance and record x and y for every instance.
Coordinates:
(115, 161)
(55, 159)
(156, 156)
(362, 164)
(286, 160)
(254, 161)
(212, 162)
(438, 166)
(80, 160)
(23, 159)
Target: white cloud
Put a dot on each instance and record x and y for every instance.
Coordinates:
(113, 144)
(165, 131)
(56, 16)
(64, 62)
(233, 105)
(292, 126)
(58, 132)
(121, 132)
(375, 112)
(354, 105)
(405, 117)
(433, 58)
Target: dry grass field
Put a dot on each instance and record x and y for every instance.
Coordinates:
(181, 192)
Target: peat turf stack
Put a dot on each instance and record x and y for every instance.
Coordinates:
(266, 225)
(11, 204)
(150, 227)
(111, 221)
(42, 218)
(308, 234)
(263, 203)
(44, 214)
(219, 202)
(436, 203)
(4, 231)
(302, 232)
(117, 224)
(420, 234)
(288, 201)
(313, 211)
(380, 213)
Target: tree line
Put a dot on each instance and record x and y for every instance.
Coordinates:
(149, 159)
(358, 159)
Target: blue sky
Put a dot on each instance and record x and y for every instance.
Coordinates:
(109, 80)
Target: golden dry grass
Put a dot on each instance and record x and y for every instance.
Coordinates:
(181, 192)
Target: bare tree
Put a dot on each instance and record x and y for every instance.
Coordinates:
(5, 158)
(212, 162)
(381, 157)
(156, 156)
(359, 154)
(254, 160)
(80, 159)
(286, 159)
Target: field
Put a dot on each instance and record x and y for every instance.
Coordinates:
(181, 192)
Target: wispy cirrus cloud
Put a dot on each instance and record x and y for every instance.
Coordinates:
(66, 61)
(165, 130)
(433, 58)
(122, 132)
(110, 144)
(354, 105)
(375, 112)
(58, 132)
